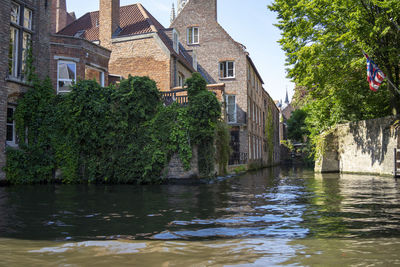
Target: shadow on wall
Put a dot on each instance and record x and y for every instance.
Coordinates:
(372, 137)
(205, 75)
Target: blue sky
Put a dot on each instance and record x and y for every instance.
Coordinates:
(248, 22)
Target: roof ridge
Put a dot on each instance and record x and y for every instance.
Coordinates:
(147, 17)
(75, 21)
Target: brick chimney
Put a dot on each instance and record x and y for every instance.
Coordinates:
(108, 21)
(58, 15)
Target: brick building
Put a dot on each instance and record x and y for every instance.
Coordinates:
(22, 23)
(140, 45)
(223, 60)
(30, 23)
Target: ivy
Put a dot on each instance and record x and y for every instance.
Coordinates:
(100, 134)
(204, 111)
(269, 130)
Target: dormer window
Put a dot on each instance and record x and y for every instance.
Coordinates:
(193, 35)
(175, 37)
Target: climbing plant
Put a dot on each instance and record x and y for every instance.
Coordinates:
(110, 135)
(204, 111)
(269, 131)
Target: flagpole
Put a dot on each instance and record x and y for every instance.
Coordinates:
(390, 82)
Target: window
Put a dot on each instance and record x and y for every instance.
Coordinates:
(11, 136)
(181, 79)
(195, 60)
(227, 69)
(248, 109)
(231, 108)
(193, 35)
(66, 76)
(20, 39)
(92, 73)
(15, 13)
(13, 53)
(175, 37)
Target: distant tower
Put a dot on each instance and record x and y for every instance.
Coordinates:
(287, 98)
(173, 13)
(181, 5)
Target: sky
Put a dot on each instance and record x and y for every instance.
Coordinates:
(249, 22)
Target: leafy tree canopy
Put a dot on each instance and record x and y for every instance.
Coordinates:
(324, 40)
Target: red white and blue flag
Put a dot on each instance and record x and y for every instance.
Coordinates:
(375, 76)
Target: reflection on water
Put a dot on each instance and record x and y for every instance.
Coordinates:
(273, 217)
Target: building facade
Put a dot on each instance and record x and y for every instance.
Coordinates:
(223, 60)
(25, 24)
(140, 45)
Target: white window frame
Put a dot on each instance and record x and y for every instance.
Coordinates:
(181, 79)
(30, 18)
(228, 110)
(175, 37)
(226, 63)
(102, 76)
(14, 70)
(191, 35)
(13, 142)
(18, 14)
(64, 80)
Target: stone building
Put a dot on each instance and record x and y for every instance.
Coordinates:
(223, 60)
(23, 24)
(140, 45)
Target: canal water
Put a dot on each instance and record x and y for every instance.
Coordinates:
(274, 217)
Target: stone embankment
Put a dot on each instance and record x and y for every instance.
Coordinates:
(360, 147)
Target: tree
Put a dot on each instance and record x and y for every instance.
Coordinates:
(324, 40)
(297, 128)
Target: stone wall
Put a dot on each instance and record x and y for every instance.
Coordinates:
(175, 169)
(360, 147)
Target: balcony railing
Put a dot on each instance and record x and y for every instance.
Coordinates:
(178, 96)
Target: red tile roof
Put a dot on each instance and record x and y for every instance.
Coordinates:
(134, 20)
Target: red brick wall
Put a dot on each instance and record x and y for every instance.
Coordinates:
(87, 53)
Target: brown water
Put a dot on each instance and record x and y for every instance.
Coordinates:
(269, 218)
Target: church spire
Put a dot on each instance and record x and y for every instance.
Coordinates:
(173, 13)
(287, 97)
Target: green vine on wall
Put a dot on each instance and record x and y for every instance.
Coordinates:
(110, 135)
(270, 134)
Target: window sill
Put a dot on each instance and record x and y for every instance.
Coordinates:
(12, 145)
(227, 79)
(194, 44)
(17, 80)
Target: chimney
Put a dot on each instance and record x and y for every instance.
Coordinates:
(108, 21)
(58, 15)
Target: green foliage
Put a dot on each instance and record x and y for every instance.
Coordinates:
(240, 169)
(204, 111)
(269, 130)
(297, 128)
(109, 135)
(323, 41)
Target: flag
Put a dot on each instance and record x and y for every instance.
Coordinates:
(375, 76)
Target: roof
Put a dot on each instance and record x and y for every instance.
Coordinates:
(134, 20)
